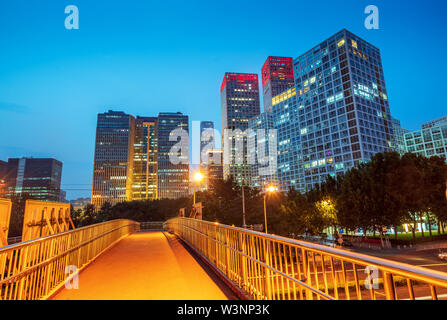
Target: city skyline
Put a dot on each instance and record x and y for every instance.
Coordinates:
(49, 106)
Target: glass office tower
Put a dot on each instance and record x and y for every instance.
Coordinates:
(206, 140)
(435, 123)
(430, 141)
(3, 171)
(277, 76)
(398, 141)
(262, 146)
(113, 163)
(173, 178)
(342, 111)
(145, 159)
(35, 178)
(215, 165)
(286, 121)
(239, 103)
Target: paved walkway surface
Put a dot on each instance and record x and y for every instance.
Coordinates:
(144, 266)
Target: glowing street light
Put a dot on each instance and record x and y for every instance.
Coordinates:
(269, 189)
(198, 177)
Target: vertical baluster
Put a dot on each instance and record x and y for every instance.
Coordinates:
(334, 278)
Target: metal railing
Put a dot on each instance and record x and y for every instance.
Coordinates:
(270, 267)
(34, 269)
(152, 225)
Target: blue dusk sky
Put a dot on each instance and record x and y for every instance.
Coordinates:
(145, 57)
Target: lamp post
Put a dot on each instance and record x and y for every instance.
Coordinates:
(270, 189)
(198, 176)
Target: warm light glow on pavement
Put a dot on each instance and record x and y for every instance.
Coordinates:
(144, 266)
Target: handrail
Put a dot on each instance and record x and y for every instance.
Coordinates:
(274, 267)
(35, 268)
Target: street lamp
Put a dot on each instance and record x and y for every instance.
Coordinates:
(198, 176)
(269, 189)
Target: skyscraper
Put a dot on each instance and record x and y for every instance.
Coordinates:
(206, 140)
(114, 155)
(145, 159)
(173, 174)
(277, 76)
(430, 141)
(215, 165)
(37, 178)
(289, 156)
(262, 150)
(3, 171)
(239, 103)
(435, 123)
(398, 141)
(342, 111)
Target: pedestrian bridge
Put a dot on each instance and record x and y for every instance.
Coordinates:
(195, 259)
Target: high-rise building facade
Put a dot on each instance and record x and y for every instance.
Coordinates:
(262, 150)
(277, 76)
(144, 185)
(428, 142)
(113, 161)
(173, 174)
(435, 123)
(206, 140)
(342, 111)
(35, 178)
(289, 157)
(215, 165)
(3, 171)
(239, 103)
(398, 141)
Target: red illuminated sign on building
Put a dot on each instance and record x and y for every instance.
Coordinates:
(238, 77)
(277, 67)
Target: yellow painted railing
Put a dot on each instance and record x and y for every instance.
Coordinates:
(34, 269)
(270, 267)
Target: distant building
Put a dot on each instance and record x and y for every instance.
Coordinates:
(80, 203)
(63, 196)
(34, 178)
(398, 141)
(173, 178)
(435, 123)
(262, 150)
(145, 159)
(239, 103)
(3, 171)
(206, 140)
(277, 77)
(428, 142)
(113, 162)
(215, 165)
(289, 156)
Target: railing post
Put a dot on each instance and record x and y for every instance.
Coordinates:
(388, 286)
(306, 272)
(227, 253)
(216, 237)
(242, 245)
(267, 270)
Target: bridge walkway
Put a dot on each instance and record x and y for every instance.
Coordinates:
(149, 266)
